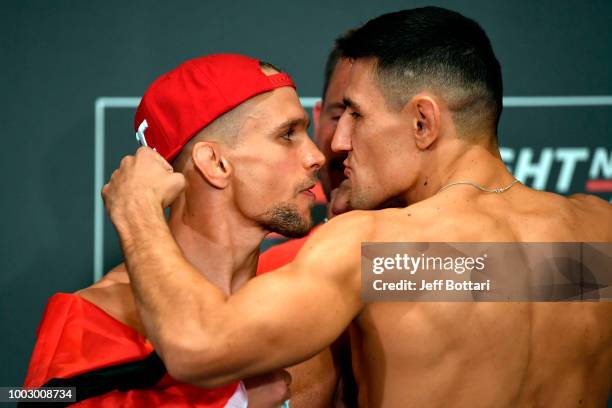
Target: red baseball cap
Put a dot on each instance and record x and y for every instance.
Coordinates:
(185, 100)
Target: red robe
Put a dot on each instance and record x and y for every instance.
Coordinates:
(77, 337)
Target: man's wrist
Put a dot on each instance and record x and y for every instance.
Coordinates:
(135, 214)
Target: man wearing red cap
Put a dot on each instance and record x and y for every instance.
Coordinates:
(229, 124)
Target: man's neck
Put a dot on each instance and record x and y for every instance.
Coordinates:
(221, 245)
(479, 164)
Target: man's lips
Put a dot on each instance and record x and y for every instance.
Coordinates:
(309, 191)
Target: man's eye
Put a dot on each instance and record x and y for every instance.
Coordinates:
(287, 135)
(337, 114)
(355, 115)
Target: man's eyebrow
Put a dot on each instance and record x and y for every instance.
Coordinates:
(291, 123)
(349, 103)
(335, 105)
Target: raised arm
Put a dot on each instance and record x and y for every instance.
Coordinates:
(205, 337)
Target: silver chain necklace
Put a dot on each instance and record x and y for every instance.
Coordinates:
(479, 187)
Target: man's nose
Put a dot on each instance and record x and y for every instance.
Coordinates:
(313, 157)
(341, 141)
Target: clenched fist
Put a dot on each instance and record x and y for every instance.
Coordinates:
(145, 181)
(268, 390)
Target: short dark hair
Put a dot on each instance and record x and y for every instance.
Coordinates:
(334, 56)
(433, 48)
(270, 66)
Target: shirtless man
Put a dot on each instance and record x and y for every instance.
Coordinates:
(423, 103)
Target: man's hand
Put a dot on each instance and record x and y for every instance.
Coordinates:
(142, 182)
(339, 202)
(268, 390)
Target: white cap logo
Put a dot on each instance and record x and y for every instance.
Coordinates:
(140, 136)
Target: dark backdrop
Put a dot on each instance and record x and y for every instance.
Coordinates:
(58, 57)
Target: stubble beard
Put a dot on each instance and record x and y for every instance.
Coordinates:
(361, 199)
(285, 219)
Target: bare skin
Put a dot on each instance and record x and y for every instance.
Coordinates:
(113, 294)
(404, 354)
(314, 381)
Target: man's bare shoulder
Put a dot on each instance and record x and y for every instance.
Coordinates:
(105, 294)
(427, 220)
(594, 213)
(109, 290)
(334, 249)
(580, 202)
(345, 233)
(591, 203)
(522, 214)
(114, 295)
(350, 227)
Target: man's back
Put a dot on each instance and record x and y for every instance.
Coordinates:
(487, 354)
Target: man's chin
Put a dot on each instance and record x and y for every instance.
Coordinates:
(286, 220)
(363, 202)
(295, 230)
(359, 201)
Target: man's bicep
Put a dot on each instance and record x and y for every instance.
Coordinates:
(288, 315)
(294, 313)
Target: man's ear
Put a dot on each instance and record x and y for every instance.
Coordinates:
(208, 159)
(425, 113)
(316, 114)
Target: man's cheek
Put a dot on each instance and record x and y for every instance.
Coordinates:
(287, 168)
